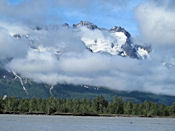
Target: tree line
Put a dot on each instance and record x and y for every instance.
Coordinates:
(84, 107)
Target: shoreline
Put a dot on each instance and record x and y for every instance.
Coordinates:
(89, 115)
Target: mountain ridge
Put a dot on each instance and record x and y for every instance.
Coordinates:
(116, 41)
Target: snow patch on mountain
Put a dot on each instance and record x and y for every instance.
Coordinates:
(21, 81)
(142, 53)
(103, 41)
(114, 41)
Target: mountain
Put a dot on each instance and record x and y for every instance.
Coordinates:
(118, 41)
(114, 41)
(13, 86)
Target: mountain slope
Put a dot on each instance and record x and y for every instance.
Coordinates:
(12, 87)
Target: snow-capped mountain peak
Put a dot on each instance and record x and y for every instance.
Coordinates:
(114, 41)
(87, 24)
(120, 29)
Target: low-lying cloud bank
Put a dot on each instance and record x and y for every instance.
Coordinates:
(61, 57)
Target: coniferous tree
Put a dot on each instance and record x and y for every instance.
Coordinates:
(100, 104)
(23, 106)
(33, 105)
(84, 106)
(163, 110)
(135, 109)
(128, 108)
(172, 109)
(1, 106)
(51, 105)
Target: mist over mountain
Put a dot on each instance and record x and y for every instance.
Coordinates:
(36, 46)
(79, 54)
(54, 42)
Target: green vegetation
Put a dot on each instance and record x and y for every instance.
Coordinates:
(13, 88)
(97, 106)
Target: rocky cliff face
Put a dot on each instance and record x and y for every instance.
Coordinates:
(114, 41)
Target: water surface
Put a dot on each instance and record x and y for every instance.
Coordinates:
(83, 123)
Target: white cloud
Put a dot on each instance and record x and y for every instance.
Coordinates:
(157, 22)
(10, 48)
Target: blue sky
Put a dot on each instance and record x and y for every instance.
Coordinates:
(15, 1)
(101, 15)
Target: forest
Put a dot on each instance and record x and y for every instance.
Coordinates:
(96, 107)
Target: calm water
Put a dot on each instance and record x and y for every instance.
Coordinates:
(78, 123)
